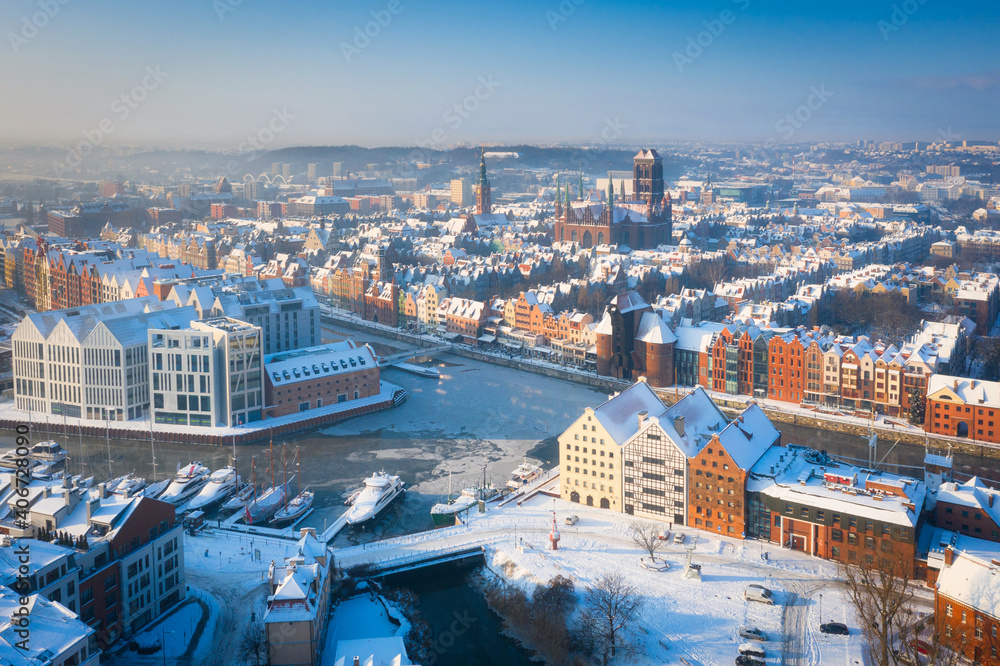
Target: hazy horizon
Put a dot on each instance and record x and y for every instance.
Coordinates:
(214, 73)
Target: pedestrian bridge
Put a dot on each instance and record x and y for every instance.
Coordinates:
(409, 562)
(385, 361)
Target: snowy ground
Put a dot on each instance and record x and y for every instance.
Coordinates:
(361, 617)
(698, 621)
(188, 632)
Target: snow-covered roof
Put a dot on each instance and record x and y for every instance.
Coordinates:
(798, 475)
(654, 330)
(620, 414)
(308, 364)
(972, 582)
(56, 632)
(748, 436)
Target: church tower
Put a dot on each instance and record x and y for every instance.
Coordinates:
(647, 176)
(484, 201)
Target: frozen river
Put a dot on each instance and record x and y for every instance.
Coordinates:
(475, 414)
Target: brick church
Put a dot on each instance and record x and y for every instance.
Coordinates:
(640, 224)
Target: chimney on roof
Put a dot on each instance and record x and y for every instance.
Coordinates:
(956, 385)
(90, 507)
(102, 491)
(679, 425)
(642, 417)
(307, 530)
(949, 556)
(991, 500)
(357, 661)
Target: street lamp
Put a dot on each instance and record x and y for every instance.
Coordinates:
(163, 643)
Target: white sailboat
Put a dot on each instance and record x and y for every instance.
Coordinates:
(298, 506)
(263, 507)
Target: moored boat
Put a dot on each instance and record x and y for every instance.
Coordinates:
(221, 484)
(297, 507)
(189, 481)
(525, 473)
(379, 492)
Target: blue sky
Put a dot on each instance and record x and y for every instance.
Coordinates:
(554, 72)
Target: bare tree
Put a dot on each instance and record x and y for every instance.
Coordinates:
(988, 353)
(646, 535)
(253, 643)
(879, 591)
(612, 603)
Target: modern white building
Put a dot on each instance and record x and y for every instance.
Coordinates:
(208, 374)
(90, 362)
(288, 317)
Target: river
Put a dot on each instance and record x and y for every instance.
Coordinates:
(475, 414)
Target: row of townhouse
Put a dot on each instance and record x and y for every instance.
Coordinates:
(691, 465)
(812, 366)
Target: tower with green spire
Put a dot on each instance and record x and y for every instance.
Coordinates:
(484, 201)
(558, 198)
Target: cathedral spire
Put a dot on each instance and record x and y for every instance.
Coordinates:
(611, 192)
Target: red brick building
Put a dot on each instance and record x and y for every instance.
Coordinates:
(786, 368)
(962, 407)
(305, 379)
(718, 473)
(641, 224)
(966, 611)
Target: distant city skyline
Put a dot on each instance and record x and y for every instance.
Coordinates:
(216, 74)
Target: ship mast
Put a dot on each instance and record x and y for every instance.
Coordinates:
(270, 461)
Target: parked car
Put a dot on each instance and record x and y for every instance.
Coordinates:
(664, 535)
(752, 634)
(572, 519)
(678, 538)
(752, 650)
(758, 593)
(838, 628)
(744, 660)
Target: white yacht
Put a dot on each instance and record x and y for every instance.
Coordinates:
(379, 492)
(523, 475)
(220, 485)
(129, 485)
(50, 451)
(189, 480)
